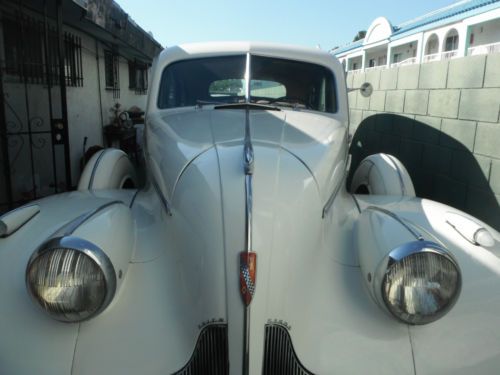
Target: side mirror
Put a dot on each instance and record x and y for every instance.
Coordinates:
(366, 89)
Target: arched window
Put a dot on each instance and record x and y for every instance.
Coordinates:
(432, 46)
(451, 41)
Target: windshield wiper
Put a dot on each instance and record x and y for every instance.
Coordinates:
(248, 106)
(201, 103)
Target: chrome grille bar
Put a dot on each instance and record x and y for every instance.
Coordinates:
(210, 356)
(279, 356)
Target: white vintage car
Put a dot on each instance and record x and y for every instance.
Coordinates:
(245, 253)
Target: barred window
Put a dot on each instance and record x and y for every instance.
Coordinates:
(112, 72)
(138, 77)
(27, 58)
(73, 60)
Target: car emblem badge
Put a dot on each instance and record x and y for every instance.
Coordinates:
(248, 272)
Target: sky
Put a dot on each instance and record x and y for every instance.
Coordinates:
(306, 22)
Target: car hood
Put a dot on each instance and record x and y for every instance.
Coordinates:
(176, 137)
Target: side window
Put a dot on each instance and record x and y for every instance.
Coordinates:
(112, 72)
(138, 77)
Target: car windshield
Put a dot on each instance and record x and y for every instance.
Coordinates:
(221, 80)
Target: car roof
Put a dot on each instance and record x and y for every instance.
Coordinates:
(208, 49)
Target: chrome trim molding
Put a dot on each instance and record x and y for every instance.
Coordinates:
(414, 247)
(94, 169)
(335, 191)
(391, 214)
(248, 169)
(247, 78)
(356, 202)
(134, 198)
(398, 171)
(90, 250)
(72, 226)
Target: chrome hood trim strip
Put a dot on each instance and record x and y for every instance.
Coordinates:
(248, 167)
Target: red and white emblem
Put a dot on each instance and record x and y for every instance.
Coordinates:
(248, 272)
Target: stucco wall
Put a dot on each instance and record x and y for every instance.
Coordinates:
(84, 106)
(442, 120)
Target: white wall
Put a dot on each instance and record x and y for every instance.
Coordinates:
(377, 56)
(486, 33)
(407, 51)
(358, 60)
(84, 109)
(84, 120)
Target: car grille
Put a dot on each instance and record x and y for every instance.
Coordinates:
(279, 355)
(210, 356)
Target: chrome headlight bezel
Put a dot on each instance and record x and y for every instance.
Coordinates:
(97, 255)
(408, 250)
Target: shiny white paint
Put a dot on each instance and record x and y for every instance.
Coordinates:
(107, 169)
(182, 270)
(119, 244)
(466, 339)
(383, 174)
(15, 219)
(32, 342)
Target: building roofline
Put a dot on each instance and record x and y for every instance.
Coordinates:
(431, 20)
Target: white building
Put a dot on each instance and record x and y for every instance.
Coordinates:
(466, 28)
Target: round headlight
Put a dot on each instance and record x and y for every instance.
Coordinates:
(421, 282)
(71, 279)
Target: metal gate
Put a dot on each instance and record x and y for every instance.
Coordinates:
(38, 61)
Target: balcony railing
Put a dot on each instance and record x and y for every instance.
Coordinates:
(432, 57)
(410, 61)
(440, 56)
(484, 49)
(376, 67)
(449, 55)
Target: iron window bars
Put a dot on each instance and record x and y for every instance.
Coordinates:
(24, 56)
(112, 72)
(138, 77)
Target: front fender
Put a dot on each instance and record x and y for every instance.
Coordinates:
(467, 338)
(25, 328)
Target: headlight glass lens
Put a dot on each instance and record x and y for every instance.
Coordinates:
(421, 287)
(69, 284)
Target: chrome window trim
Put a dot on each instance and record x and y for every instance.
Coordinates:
(93, 252)
(247, 78)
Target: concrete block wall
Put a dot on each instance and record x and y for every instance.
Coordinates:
(442, 120)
